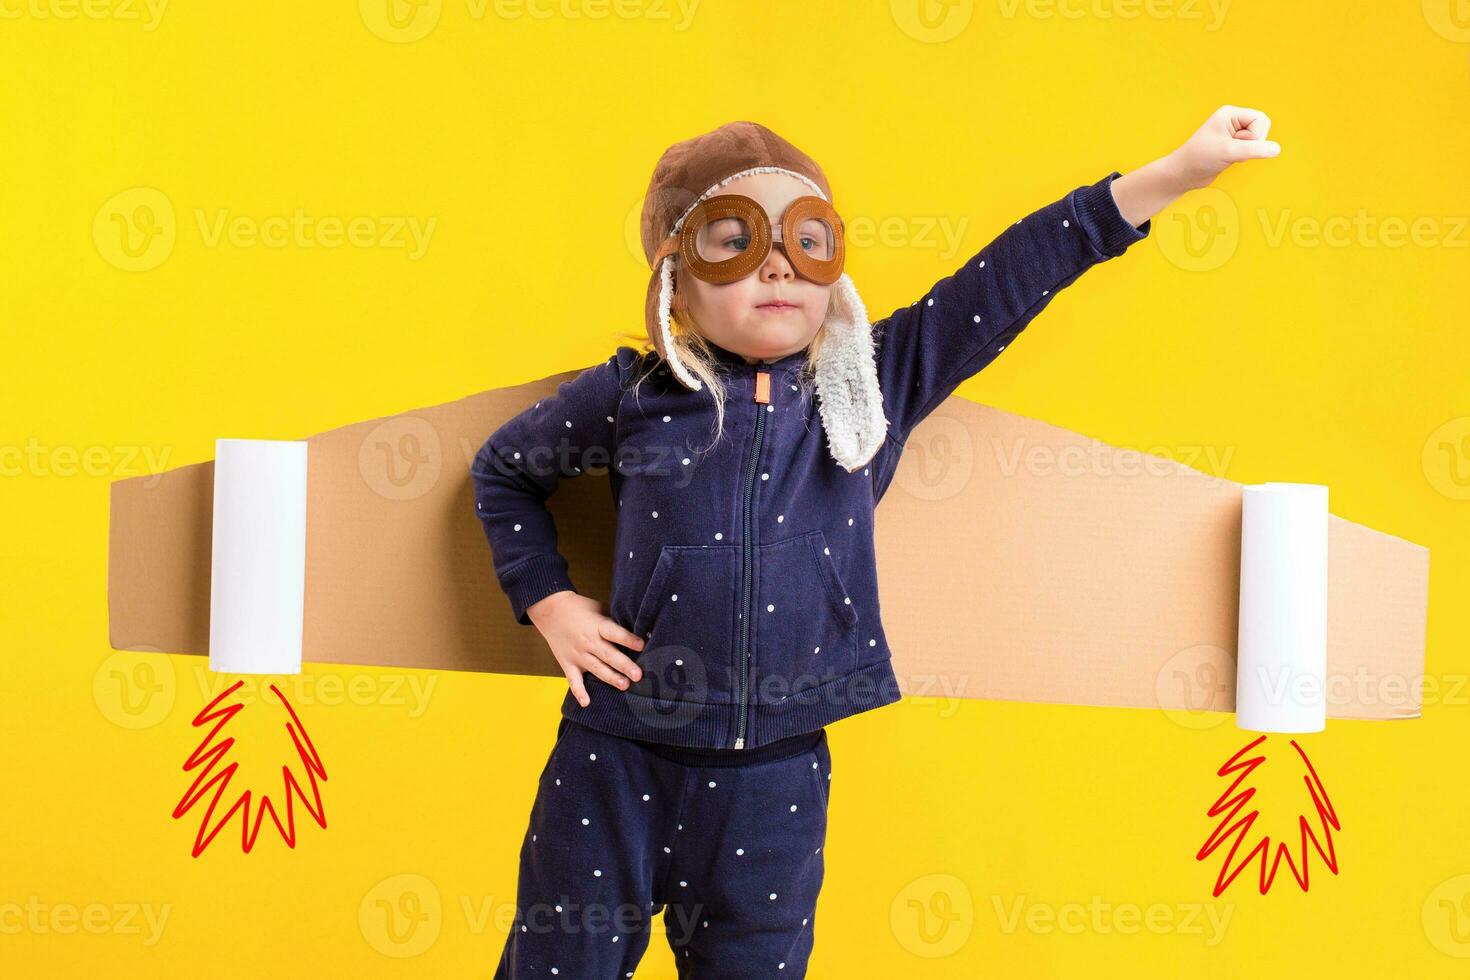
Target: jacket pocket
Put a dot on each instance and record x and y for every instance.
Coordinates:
(687, 618)
(805, 624)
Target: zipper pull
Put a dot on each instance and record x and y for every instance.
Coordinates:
(740, 742)
(762, 392)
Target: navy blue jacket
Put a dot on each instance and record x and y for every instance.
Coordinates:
(749, 565)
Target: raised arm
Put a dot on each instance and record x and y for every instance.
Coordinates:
(925, 350)
(520, 466)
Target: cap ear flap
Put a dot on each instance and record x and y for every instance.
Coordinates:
(659, 321)
(848, 395)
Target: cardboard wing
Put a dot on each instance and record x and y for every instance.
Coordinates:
(1017, 561)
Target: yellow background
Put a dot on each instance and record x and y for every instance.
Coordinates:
(528, 140)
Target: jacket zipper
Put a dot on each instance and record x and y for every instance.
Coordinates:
(762, 397)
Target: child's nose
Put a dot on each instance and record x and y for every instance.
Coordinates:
(776, 263)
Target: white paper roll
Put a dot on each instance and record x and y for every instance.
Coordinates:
(257, 591)
(1281, 670)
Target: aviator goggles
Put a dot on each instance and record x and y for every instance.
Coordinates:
(727, 237)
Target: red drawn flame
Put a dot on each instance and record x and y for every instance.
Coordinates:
(1240, 828)
(208, 756)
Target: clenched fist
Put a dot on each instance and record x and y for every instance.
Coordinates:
(1230, 135)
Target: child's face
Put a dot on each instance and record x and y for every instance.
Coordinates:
(736, 315)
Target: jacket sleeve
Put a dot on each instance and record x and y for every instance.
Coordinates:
(925, 350)
(521, 464)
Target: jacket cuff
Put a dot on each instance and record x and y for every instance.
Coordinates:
(533, 580)
(1099, 216)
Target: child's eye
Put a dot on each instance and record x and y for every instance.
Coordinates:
(740, 242)
(808, 243)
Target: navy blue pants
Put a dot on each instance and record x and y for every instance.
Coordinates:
(731, 852)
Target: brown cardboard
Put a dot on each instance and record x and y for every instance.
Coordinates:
(1017, 561)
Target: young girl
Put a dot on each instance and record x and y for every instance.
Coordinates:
(746, 452)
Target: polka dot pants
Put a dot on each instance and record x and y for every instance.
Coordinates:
(731, 855)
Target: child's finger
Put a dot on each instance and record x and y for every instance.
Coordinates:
(591, 661)
(579, 689)
(613, 630)
(618, 660)
(1250, 124)
(1252, 150)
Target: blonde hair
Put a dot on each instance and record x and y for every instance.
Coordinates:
(693, 350)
